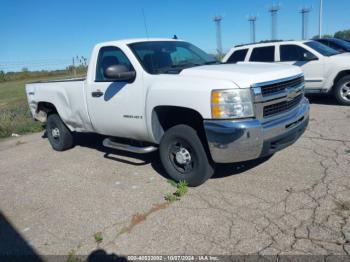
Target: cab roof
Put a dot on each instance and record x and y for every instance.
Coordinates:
(136, 40)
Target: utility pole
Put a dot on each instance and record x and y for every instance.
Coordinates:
(252, 20)
(74, 69)
(320, 20)
(304, 22)
(273, 10)
(217, 20)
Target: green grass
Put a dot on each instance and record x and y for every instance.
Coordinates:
(12, 93)
(14, 112)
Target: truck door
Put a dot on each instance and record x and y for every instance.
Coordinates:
(311, 64)
(115, 108)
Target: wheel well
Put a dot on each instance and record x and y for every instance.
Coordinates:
(165, 117)
(43, 110)
(340, 75)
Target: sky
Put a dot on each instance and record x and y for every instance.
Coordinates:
(40, 34)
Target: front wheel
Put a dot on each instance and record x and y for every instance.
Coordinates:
(342, 91)
(183, 156)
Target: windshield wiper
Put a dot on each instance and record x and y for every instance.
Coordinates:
(185, 65)
(212, 62)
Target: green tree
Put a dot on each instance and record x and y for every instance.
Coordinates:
(2, 76)
(345, 34)
(323, 36)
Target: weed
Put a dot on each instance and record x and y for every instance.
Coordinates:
(171, 197)
(347, 151)
(17, 119)
(181, 190)
(98, 237)
(72, 257)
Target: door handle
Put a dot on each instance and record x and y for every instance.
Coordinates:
(97, 93)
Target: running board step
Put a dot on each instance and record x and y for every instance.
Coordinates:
(107, 142)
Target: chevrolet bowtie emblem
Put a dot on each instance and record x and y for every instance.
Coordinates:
(291, 94)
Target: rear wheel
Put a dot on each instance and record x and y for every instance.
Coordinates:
(58, 134)
(342, 91)
(183, 156)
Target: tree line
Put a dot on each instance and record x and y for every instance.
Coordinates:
(344, 34)
(78, 69)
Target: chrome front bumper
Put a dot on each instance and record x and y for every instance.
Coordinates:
(240, 140)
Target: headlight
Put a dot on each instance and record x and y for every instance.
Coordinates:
(232, 103)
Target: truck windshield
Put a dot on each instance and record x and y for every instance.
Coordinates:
(169, 57)
(321, 48)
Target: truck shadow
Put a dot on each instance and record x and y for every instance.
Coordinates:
(94, 141)
(322, 99)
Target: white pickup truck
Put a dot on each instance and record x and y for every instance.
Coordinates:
(168, 95)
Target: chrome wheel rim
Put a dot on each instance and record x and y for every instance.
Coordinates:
(180, 157)
(345, 91)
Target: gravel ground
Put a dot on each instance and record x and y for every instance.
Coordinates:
(296, 202)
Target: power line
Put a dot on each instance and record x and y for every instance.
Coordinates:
(32, 62)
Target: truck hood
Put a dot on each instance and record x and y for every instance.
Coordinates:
(243, 74)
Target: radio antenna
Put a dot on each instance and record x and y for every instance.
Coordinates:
(145, 22)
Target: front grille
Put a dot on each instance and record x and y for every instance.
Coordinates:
(281, 86)
(281, 107)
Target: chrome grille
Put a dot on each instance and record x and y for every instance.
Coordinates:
(280, 107)
(274, 88)
(277, 97)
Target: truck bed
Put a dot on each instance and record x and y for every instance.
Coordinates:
(59, 80)
(67, 95)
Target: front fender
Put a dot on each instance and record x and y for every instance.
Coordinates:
(186, 92)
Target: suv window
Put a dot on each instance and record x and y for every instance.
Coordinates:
(263, 54)
(332, 44)
(237, 56)
(323, 41)
(108, 56)
(293, 53)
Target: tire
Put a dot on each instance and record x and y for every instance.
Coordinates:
(183, 156)
(58, 134)
(342, 91)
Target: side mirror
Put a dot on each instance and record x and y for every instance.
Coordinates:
(309, 56)
(119, 73)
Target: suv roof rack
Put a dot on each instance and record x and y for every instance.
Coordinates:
(262, 42)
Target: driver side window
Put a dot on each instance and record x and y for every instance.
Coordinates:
(108, 56)
(294, 53)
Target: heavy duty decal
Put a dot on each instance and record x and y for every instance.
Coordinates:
(131, 116)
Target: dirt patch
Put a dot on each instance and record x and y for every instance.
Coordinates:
(140, 217)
